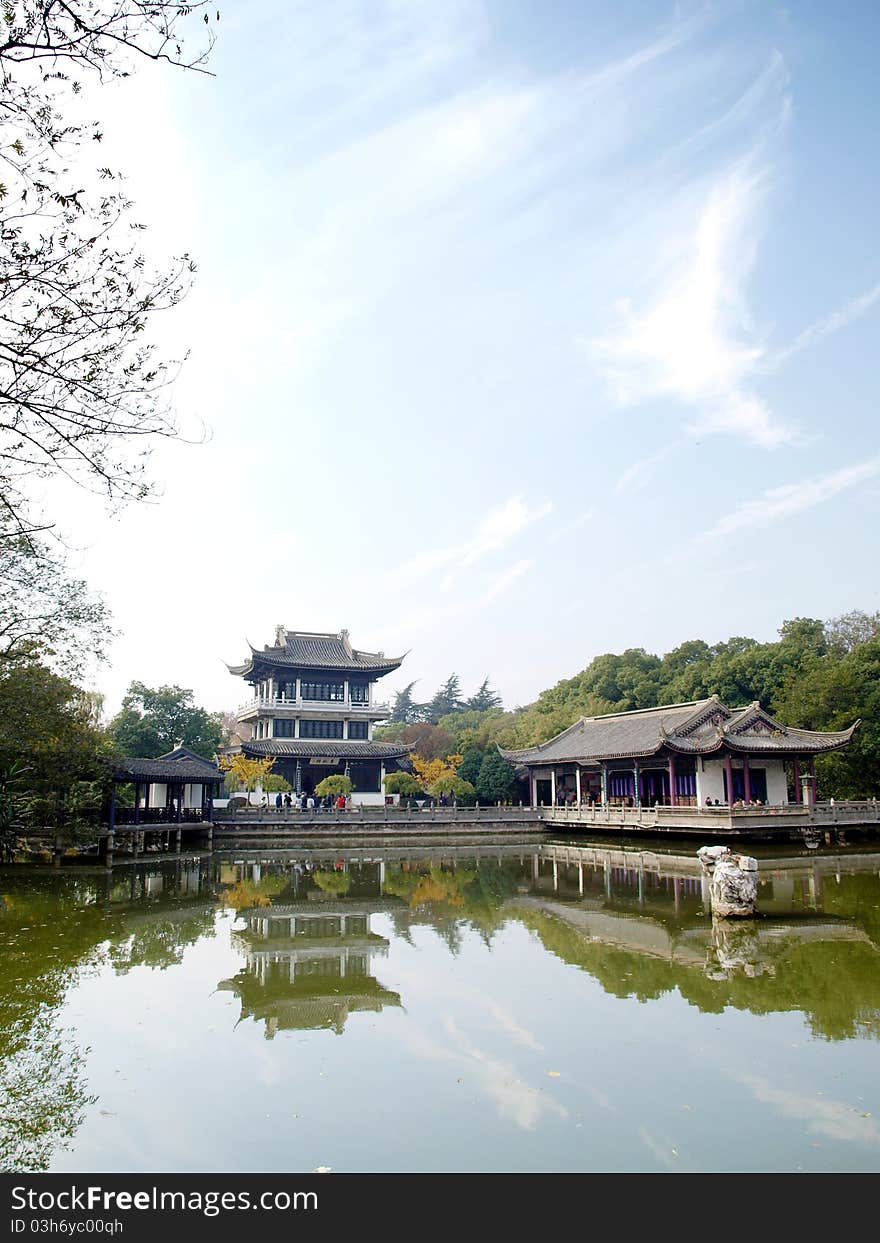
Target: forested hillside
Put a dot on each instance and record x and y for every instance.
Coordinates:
(816, 675)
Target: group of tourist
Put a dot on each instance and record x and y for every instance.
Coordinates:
(310, 802)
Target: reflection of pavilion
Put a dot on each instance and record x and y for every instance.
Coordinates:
(308, 965)
(713, 947)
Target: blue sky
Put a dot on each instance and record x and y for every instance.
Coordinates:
(523, 332)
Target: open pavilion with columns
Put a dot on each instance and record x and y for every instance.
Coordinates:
(687, 754)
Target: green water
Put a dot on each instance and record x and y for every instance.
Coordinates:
(536, 1008)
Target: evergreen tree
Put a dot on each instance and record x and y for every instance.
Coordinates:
(484, 699)
(447, 700)
(496, 781)
(404, 709)
(469, 768)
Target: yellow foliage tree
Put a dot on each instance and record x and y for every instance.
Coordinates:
(246, 771)
(430, 771)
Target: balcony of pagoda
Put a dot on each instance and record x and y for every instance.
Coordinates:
(285, 706)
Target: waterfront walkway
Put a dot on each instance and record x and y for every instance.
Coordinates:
(795, 822)
(702, 822)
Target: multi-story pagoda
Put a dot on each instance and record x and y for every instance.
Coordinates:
(314, 709)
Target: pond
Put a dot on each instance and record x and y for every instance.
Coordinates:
(563, 1006)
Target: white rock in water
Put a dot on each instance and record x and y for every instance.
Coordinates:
(710, 855)
(733, 887)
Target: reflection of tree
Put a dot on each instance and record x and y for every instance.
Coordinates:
(54, 929)
(160, 944)
(246, 893)
(333, 882)
(43, 1097)
(448, 899)
(800, 980)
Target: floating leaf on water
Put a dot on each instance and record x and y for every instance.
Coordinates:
(554, 1074)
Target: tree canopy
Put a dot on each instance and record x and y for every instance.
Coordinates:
(83, 391)
(815, 675)
(153, 722)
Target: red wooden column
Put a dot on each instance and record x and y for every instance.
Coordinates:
(672, 781)
(798, 792)
(747, 792)
(728, 768)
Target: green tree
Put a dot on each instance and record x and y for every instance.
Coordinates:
(446, 701)
(469, 768)
(335, 785)
(402, 783)
(496, 781)
(451, 783)
(483, 699)
(44, 612)
(404, 709)
(152, 722)
(844, 633)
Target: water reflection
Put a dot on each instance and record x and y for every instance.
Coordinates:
(313, 940)
(309, 964)
(638, 922)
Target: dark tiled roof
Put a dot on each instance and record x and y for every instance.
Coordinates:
(304, 748)
(602, 737)
(304, 650)
(697, 728)
(180, 764)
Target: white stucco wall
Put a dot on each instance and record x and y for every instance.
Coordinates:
(710, 780)
(777, 786)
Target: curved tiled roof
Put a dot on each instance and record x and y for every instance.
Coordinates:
(180, 764)
(700, 727)
(305, 650)
(305, 748)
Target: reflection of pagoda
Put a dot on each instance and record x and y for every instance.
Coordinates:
(308, 965)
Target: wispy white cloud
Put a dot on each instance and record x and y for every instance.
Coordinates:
(503, 581)
(791, 498)
(693, 344)
(841, 318)
(636, 477)
(569, 527)
(692, 340)
(492, 534)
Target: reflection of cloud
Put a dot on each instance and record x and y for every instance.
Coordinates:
(662, 1150)
(512, 1097)
(506, 1021)
(833, 1119)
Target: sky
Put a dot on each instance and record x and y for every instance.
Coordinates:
(522, 332)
